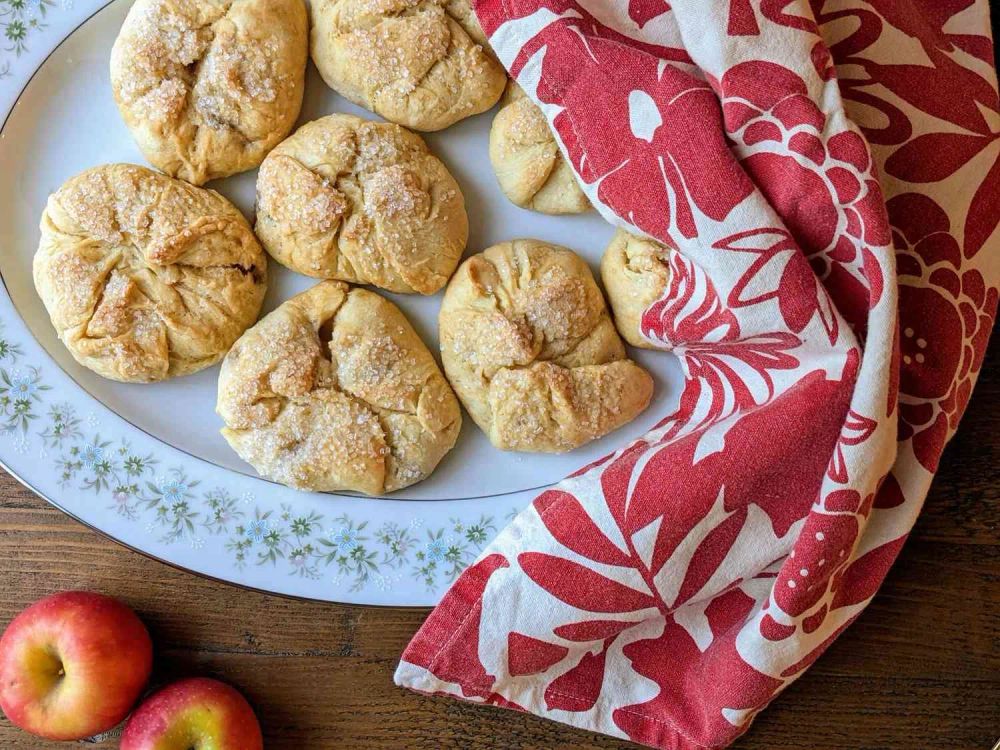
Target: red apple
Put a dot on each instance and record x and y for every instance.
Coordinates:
(72, 665)
(197, 712)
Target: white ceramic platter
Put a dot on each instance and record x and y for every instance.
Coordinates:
(145, 464)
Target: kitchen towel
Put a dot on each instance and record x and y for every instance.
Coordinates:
(824, 177)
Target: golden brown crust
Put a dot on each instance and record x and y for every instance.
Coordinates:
(208, 87)
(527, 161)
(361, 201)
(421, 63)
(530, 350)
(146, 277)
(334, 391)
(635, 275)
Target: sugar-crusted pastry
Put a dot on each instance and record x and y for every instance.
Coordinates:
(526, 159)
(424, 64)
(361, 201)
(208, 87)
(530, 350)
(635, 273)
(335, 391)
(146, 277)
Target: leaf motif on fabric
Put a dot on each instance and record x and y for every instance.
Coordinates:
(593, 630)
(691, 310)
(952, 151)
(735, 376)
(527, 655)
(644, 11)
(581, 587)
(984, 212)
(568, 521)
(580, 687)
(742, 20)
(774, 10)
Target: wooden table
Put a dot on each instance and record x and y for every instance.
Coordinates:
(919, 670)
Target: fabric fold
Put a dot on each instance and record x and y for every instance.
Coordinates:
(834, 268)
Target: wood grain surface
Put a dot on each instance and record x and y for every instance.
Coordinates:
(919, 670)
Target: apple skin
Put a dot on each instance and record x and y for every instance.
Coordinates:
(196, 712)
(72, 665)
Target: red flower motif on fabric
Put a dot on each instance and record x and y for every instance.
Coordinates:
(945, 321)
(823, 188)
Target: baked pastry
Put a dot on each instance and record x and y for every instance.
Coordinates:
(209, 87)
(530, 350)
(527, 161)
(335, 391)
(146, 277)
(635, 273)
(424, 64)
(361, 201)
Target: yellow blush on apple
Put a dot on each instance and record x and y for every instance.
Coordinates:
(193, 713)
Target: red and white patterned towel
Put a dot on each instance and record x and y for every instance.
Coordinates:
(819, 168)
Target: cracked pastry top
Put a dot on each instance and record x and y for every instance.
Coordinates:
(530, 350)
(635, 273)
(146, 277)
(208, 87)
(424, 64)
(361, 201)
(527, 161)
(334, 391)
